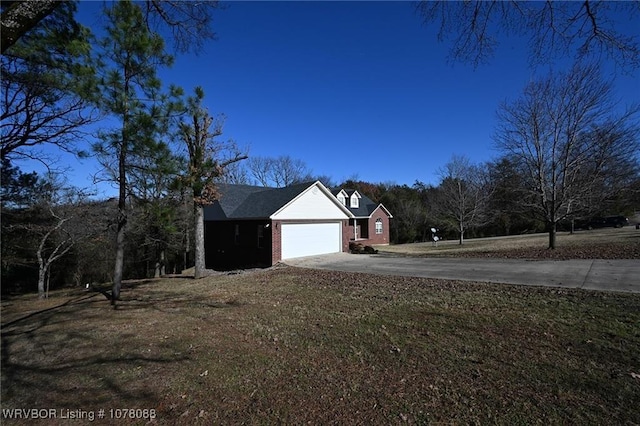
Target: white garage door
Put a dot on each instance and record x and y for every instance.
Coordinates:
(309, 239)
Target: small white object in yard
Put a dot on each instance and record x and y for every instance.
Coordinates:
(635, 375)
(434, 237)
(205, 373)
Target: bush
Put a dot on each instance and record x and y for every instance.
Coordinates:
(357, 248)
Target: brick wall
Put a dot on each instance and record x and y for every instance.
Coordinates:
(276, 241)
(371, 226)
(346, 235)
(378, 238)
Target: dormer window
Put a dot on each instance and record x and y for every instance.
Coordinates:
(354, 200)
(342, 197)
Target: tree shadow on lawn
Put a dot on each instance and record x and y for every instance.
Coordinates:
(82, 354)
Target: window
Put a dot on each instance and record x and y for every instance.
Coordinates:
(378, 226)
(260, 236)
(341, 199)
(355, 203)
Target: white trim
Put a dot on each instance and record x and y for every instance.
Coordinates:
(342, 194)
(381, 206)
(325, 191)
(381, 230)
(354, 200)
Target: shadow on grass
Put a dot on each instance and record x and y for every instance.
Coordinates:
(81, 353)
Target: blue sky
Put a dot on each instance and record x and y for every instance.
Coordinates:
(351, 88)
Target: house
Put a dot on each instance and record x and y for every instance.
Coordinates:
(253, 226)
(369, 224)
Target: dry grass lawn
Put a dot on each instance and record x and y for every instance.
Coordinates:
(294, 346)
(607, 243)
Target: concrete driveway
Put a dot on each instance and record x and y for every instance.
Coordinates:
(606, 275)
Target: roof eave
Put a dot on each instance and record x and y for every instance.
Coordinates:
(326, 192)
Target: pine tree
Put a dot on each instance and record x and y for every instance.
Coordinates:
(48, 87)
(131, 92)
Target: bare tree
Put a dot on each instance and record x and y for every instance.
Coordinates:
(464, 194)
(580, 29)
(208, 159)
(279, 171)
(189, 21)
(48, 87)
(287, 171)
(59, 249)
(59, 206)
(260, 170)
(235, 174)
(568, 142)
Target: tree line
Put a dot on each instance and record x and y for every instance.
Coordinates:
(567, 149)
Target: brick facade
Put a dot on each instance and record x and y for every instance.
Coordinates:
(370, 237)
(276, 241)
(378, 238)
(345, 236)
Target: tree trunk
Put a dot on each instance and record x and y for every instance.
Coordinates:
(552, 235)
(122, 219)
(160, 269)
(44, 265)
(122, 195)
(117, 274)
(23, 16)
(187, 247)
(42, 274)
(48, 282)
(199, 235)
(461, 239)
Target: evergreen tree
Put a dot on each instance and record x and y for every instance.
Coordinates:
(131, 92)
(48, 87)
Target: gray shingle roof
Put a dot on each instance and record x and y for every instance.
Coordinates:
(251, 202)
(366, 205)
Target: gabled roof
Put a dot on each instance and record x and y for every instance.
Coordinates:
(256, 202)
(366, 206)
